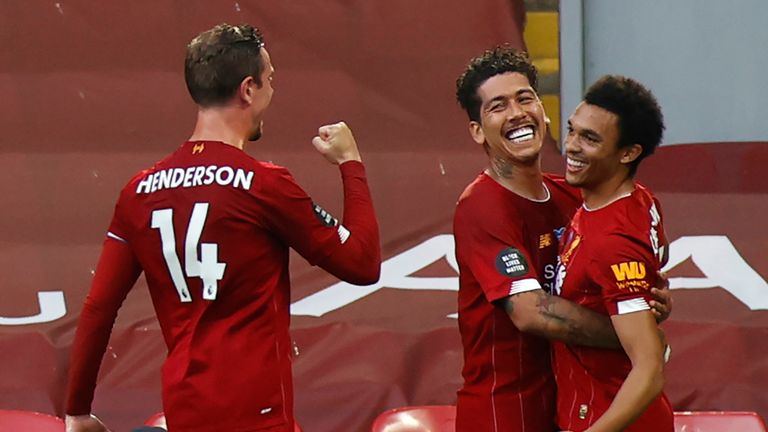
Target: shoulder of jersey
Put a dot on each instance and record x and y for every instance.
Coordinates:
(480, 183)
(269, 166)
(644, 192)
(642, 199)
(558, 182)
(631, 217)
(557, 178)
(131, 185)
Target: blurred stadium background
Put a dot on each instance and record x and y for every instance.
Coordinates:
(93, 91)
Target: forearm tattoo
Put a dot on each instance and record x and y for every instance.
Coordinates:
(574, 324)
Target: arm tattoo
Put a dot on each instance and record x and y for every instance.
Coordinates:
(547, 304)
(575, 324)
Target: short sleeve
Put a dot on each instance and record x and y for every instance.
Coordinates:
(492, 250)
(305, 226)
(625, 270)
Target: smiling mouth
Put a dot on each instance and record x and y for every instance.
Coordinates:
(519, 135)
(574, 164)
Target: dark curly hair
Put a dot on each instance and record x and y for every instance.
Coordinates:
(496, 61)
(219, 59)
(640, 118)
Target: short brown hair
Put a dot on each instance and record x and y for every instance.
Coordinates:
(219, 59)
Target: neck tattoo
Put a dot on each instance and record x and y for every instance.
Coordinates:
(501, 168)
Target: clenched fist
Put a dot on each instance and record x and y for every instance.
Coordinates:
(336, 143)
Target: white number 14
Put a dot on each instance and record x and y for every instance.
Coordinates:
(206, 268)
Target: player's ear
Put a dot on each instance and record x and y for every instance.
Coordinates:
(631, 153)
(476, 131)
(246, 90)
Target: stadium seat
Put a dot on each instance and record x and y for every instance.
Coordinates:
(29, 421)
(158, 420)
(718, 421)
(430, 418)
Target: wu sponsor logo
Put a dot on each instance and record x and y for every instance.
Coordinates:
(628, 271)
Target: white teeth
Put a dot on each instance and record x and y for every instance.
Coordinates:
(575, 163)
(520, 135)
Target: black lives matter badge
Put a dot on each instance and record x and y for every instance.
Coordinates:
(326, 218)
(511, 262)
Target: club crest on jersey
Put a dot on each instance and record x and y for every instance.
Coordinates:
(511, 262)
(325, 218)
(198, 148)
(570, 247)
(583, 411)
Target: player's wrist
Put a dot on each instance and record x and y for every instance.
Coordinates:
(346, 160)
(349, 157)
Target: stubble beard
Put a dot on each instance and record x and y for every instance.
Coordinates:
(255, 135)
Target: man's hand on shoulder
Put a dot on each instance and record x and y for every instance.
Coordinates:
(336, 143)
(84, 423)
(661, 304)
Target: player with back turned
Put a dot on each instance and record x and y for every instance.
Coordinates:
(211, 227)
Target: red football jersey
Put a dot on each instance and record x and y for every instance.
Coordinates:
(211, 228)
(506, 244)
(608, 263)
